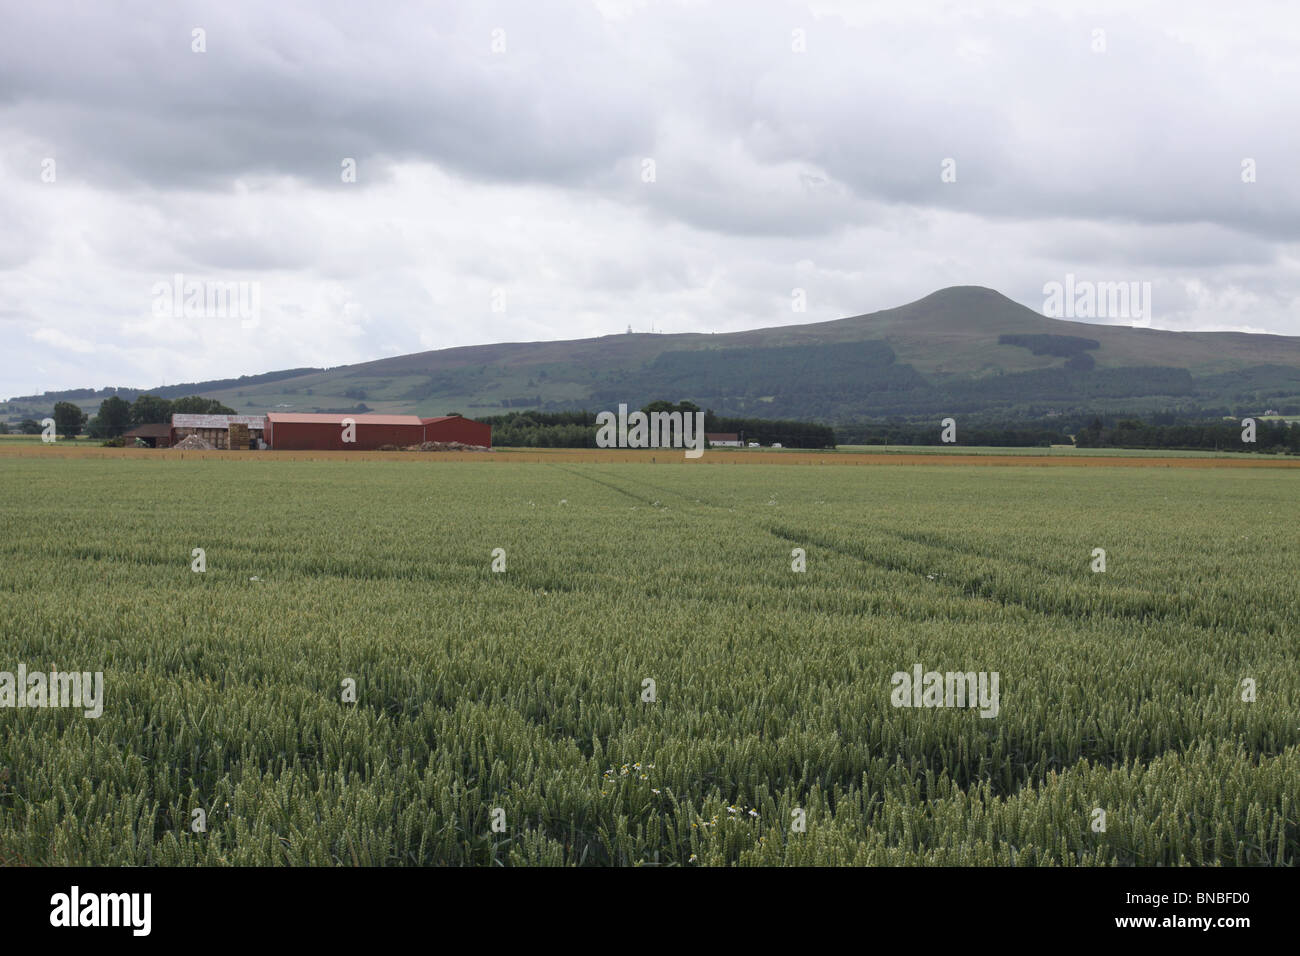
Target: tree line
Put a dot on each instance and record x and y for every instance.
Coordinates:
(897, 433)
(577, 429)
(116, 415)
(1270, 436)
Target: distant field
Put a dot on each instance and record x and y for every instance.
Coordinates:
(524, 691)
(14, 439)
(1054, 451)
(858, 456)
(93, 448)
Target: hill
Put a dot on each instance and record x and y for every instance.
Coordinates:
(963, 350)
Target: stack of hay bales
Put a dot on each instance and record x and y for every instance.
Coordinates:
(238, 437)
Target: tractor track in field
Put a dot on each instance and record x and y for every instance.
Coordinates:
(980, 588)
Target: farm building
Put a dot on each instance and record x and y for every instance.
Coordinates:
(155, 436)
(449, 428)
(725, 440)
(319, 432)
(216, 429)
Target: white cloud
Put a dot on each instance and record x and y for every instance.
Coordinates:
(62, 341)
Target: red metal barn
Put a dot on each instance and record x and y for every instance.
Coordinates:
(455, 428)
(300, 431)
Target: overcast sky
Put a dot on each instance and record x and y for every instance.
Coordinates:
(502, 155)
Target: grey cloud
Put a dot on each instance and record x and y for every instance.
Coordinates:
(292, 89)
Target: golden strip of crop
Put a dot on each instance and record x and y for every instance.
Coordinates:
(658, 457)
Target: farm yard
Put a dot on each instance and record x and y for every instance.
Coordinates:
(519, 698)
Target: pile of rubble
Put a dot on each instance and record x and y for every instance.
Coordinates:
(445, 446)
(193, 443)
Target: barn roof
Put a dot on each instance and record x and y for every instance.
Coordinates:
(149, 431)
(448, 418)
(217, 421)
(306, 418)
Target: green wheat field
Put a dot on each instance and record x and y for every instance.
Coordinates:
(516, 698)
